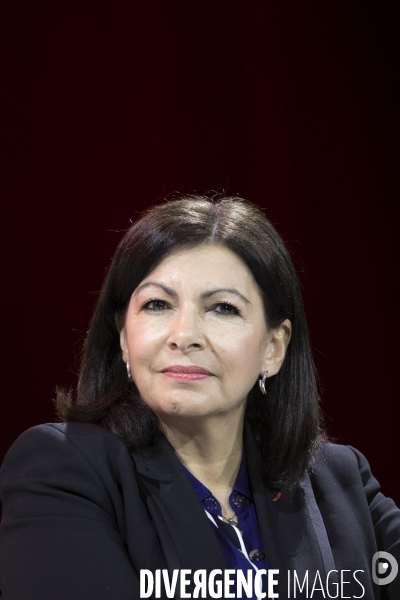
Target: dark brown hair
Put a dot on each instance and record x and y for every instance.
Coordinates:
(286, 422)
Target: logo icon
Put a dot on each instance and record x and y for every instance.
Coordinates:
(387, 566)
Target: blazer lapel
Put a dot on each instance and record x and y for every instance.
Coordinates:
(292, 541)
(185, 532)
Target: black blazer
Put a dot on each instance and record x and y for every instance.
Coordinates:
(82, 516)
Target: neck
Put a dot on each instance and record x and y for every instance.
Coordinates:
(211, 448)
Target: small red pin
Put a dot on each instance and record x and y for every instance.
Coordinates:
(279, 494)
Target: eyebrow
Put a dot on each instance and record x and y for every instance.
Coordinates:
(170, 292)
(229, 290)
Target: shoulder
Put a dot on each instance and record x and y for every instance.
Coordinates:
(83, 436)
(73, 449)
(344, 466)
(59, 431)
(72, 468)
(338, 457)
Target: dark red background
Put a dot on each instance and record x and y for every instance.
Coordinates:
(108, 106)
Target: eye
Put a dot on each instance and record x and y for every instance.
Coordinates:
(225, 308)
(155, 305)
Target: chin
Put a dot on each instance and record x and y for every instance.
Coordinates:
(182, 407)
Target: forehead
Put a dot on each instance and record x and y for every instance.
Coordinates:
(205, 265)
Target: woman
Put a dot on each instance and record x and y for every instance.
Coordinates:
(195, 441)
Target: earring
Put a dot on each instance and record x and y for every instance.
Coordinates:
(261, 383)
(128, 368)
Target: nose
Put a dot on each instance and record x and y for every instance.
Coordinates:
(186, 331)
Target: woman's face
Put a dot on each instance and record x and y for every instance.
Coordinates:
(195, 335)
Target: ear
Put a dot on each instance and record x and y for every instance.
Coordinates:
(275, 351)
(124, 345)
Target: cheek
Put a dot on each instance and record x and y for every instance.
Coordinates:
(144, 342)
(143, 335)
(240, 354)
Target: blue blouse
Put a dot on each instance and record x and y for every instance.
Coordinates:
(242, 546)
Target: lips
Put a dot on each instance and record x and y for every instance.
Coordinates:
(191, 369)
(191, 373)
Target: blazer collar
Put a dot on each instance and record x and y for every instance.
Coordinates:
(185, 532)
(158, 461)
